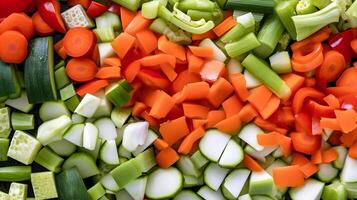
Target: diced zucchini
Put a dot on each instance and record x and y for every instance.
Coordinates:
(75, 134)
(199, 160)
(207, 193)
(5, 127)
(146, 160)
(53, 130)
(83, 162)
(4, 146)
(126, 172)
(21, 103)
(151, 137)
(18, 191)
(105, 107)
(261, 183)
(43, 185)
(120, 115)
(23, 147)
(326, 172)
(349, 173)
(235, 181)
(109, 183)
(191, 181)
(342, 153)
(88, 106)
(312, 189)
(136, 188)
(187, 194)
(232, 155)
(96, 191)
(49, 160)
(135, 134)
(67, 92)
(76, 17)
(53, 109)
(213, 144)
(61, 78)
(71, 186)
(63, 147)
(187, 167)
(249, 135)
(109, 153)
(214, 175)
(106, 129)
(90, 136)
(22, 121)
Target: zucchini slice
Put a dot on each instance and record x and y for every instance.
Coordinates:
(106, 128)
(136, 188)
(53, 130)
(75, 134)
(214, 175)
(232, 155)
(83, 162)
(186, 166)
(261, 183)
(249, 135)
(96, 191)
(312, 189)
(43, 185)
(191, 181)
(109, 183)
(146, 160)
(207, 193)
(21, 103)
(151, 137)
(88, 106)
(187, 194)
(71, 186)
(63, 147)
(120, 115)
(235, 181)
(213, 144)
(326, 172)
(10, 86)
(109, 153)
(90, 136)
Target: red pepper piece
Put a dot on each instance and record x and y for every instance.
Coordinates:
(95, 9)
(10, 6)
(50, 11)
(341, 43)
(115, 8)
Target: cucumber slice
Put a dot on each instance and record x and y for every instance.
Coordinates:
(260, 155)
(213, 144)
(245, 197)
(232, 155)
(134, 135)
(5, 128)
(250, 81)
(10, 86)
(96, 191)
(124, 153)
(18, 190)
(349, 173)
(21, 103)
(106, 129)
(23, 147)
(109, 183)
(136, 188)
(214, 175)
(207, 193)
(76, 17)
(342, 153)
(43, 185)
(187, 194)
(75, 134)
(49, 160)
(120, 115)
(151, 137)
(217, 52)
(158, 189)
(126, 172)
(77, 119)
(146, 160)
(90, 136)
(326, 172)
(53, 130)
(235, 181)
(186, 166)
(234, 66)
(123, 195)
(312, 189)
(199, 160)
(63, 147)
(83, 162)
(105, 107)
(249, 135)
(261, 183)
(109, 153)
(280, 62)
(88, 106)
(336, 190)
(70, 185)
(105, 51)
(191, 181)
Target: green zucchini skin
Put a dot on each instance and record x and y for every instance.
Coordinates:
(39, 71)
(9, 86)
(71, 186)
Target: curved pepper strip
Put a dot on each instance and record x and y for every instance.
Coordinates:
(50, 12)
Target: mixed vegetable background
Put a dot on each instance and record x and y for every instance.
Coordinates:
(178, 99)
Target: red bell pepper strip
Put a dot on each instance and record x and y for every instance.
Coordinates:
(10, 6)
(115, 8)
(50, 11)
(95, 9)
(341, 43)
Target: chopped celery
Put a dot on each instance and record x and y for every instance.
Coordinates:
(243, 45)
(49, 160)
(262, 71)
(67, 92)
(286, 10)
(18, 191)
(269, 36)
(105, 34)
(72, 103)
(320, 3)
(259, 6)
(96, 191)
(202, 5)
(280, 62)
(126, 172)
(108, 19)
(4, 146)
(308, 24)
(61, 78)
(305, 7)
(61, 63)
(118, 94)
(76, 17)
(283, 42)
(173, 33)
(84, 163)
(43, 185)
(5, 127)
(53, 130)
(146, 160)
(120, 115)
(245, 25)
(197, 15)
(257, 16)
(352, 15)
(149, 9)
(22, 121)
(15, 173)
(132, 5)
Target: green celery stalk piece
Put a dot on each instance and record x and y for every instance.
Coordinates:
(15, 173)
(4, 146)
(126, 172)
(49, 160)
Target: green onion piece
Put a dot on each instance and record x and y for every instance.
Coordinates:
(96, 191)
(132, 5)
(18, 190)
(305, 7)
(15, 173)
(262, 72)
(202, 5)
(61, 63)
(4, 146)
(308, 24)
(269, 36)
(67, 92)
(72, 103)
(197, 15)
(245, 25)
(280, 62)
(5, 128)
(259, 6)
(104, 34)
(118, 94)
(285, 10)
(44, 185)
(22, 121)
(61, 77)
(149, 9)
(243, 45)
(49, 160)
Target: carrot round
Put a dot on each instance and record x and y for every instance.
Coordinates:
(18, 22)
(79, 42)
(348, 78)
(81, 69)
(109, 73)
(13, 47)
(92, 87)
(289, 176)
(354, 45)
(333, 65)
(41, 27)
(306, 66)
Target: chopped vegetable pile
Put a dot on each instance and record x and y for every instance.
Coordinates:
(178, 99)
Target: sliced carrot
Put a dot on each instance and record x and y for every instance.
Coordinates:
(285, 144)
(122, 44)
(190, 140)
(348, 139)
(138, 108)
(332, 101)
(41, 27)
(112, 61)
(316, 157)
(81, 69)
(354, 45)
(224, 26)
(147, 41)
(247, 113)
(79, 41)
(270, 107)
(150, 96)
(18, 22)
(268, 139)
(302, 94)
(309, 169)
(342, 91)
(334, 138)
(229, 125)
(348, 78)
(171, 48)
(294, 81)
(251, 164)
(196, 123)
(131, 71)
(108, 73)
(169, 71)
(126, 16)
(203, 52)
(264, 124)
(310, 82)
(158, 59)
(210, 34)
(309, 65)
(195, 64)
(214, 117)
(194, 91)
(352, 151)
(329, 155)
(173, 131)
(232, 106)
(158, 110)
(299, 159)
(319, 36)
(184, 78)
(289, 176)
(259, 97)
(95, 54)
(91, 87)
(137, 24)
(333, 65)
(219, 91)
(13, 47)
(167, 157)
(347, 119)
(330, 123)
(84, 3)
(239, 84)
(212, 70)
(160, 144)
(194, 111)
(307, 53)
(61, 52)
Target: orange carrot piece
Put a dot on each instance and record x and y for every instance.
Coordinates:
(79, 42)
(330, 123)
(158, 110)
(317, 37)
(348, 78)
(214, 117)
(184, 78)
(219, 91)
(138, 108)
(284, 143)
(158, 59)
(18, 22)
(150, 96)
(169, 71)
(122, 44)
(229, 125)
(316, 157)
(167, 157)
(153, 123)
(352, 151)
(212, 70)
(331, 68)
(13, 47)
(195, 64)
(62, 53)
(329, 155)
(193, 91)
(310, 82)
(137, 24)
(173, 131)
(289, 176)
(304, 93)
(112, 61)
(270, 107)
(349, 138)
(126, 16)
(147, 41)
(190, 140)
(332, 101)
(196, 123)
(81, 69)
(347, 119)
(308, 58)
(247, 113)
(259, 97)
(294, 81)
(194, 111)
(210, 34)
(224, 26)
(160, 144)
(342, 91)
(108, 73)
(203, 52)
(299, 159)
(268, 139)
(92, 87)
(171, 48)
(232, 106)
(251, 164)
(239, 84)
(309, 169)
(132, 71)
(41, 27)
